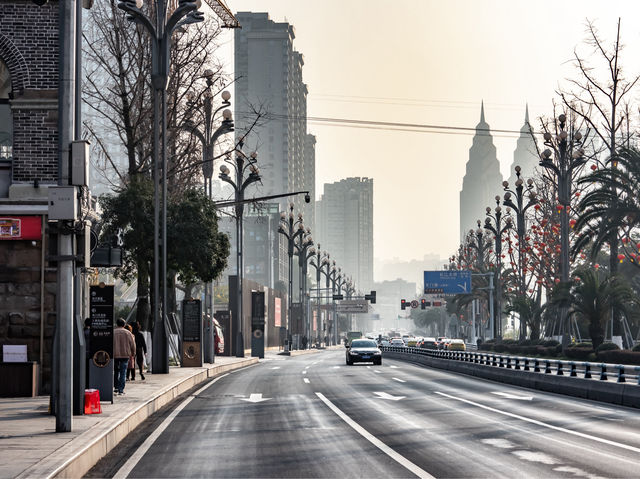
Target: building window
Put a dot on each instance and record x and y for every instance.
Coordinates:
(6, 131)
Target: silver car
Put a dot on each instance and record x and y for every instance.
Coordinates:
(364, 351)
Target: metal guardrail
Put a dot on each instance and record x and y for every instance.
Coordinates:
(558, 367)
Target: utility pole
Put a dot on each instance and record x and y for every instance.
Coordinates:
(64, 293)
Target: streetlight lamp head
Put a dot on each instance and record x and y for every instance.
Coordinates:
(254, 155)
(139, 3)
(546, 154)
(562, 118)
(577, 136)
(547, 136)
(507, 196)
(505, 184)
(191, 96)
(300, 216)
(291, 205)
(226, 114)
(226, 95)
(519, 182)
(530, 182)
(517, 168)
(498, 209)
(563, 135)
(307, 198)
(488, 211)
(283, 215)
(308, 230)
(208, 74)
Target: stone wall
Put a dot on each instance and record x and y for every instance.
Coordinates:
(20, 296)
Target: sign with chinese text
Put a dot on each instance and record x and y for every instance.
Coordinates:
(447, 282)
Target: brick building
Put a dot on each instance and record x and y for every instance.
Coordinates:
(28, 164)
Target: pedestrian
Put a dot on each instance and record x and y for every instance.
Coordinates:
(141, 347)
(124, 346)
(131, 365)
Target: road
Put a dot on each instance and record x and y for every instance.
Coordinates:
(313, 416)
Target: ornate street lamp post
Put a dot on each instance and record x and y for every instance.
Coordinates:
(241, 164)
(290, 229)
(562, 156)
(319, 261)
(497, 229)
(305, 242)
(160, 29)
(208, 137)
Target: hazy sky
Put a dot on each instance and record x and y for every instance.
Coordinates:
(432, 62)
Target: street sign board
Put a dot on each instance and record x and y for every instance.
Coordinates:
(447, 282)
(353, 306)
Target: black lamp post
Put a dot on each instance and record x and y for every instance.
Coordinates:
(290, 228)
(319, 261)
(305, 242)
(563, 155)
(208, 137)
(477, 241)
(241, 164)
(497, 229)
(160, 29)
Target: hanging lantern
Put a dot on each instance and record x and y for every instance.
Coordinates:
(621, 257)
(594, 167)
(572, 222)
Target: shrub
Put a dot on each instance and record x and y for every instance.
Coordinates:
(580, 352)
(550, 342)
(636, 347)
(619, 356)
(607, 347)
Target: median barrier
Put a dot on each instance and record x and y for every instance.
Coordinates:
(610, 383)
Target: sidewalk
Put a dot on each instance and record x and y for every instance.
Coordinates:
(30, 447)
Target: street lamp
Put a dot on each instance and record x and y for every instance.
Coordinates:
(497, 229)
(241, 164)
(291, 229)
(208, 137)
(160, 30)
(305, 242)
(562, 156)
(477, 241)
(319, 261)
(520, 207)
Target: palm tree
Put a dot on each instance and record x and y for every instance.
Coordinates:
(611, 206)
(530, 312)
(593, 295)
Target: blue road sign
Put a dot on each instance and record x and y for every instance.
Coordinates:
(447, 282)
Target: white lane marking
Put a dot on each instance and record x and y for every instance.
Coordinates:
(128, 466)
(399, 380)
(336, 367)
(544, 424)
(306, 380)
(254, 398)
(513, 396)
(304, 372)
(377, 371)
(276, 367)
(368, 367)
(394, 367)
(403, 461)
(307, 367)
(536, 456)
(383, 395)
(499, 443)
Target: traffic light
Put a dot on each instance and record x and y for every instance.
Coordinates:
(403, 304)
(423, 303)
(371, 297)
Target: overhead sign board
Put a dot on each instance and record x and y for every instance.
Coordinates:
(447, 282)
(353, 306)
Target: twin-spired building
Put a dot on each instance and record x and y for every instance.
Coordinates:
(482, 180)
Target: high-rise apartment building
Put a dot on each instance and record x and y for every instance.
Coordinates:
(268, 74)
(345, 227)
(482, 180)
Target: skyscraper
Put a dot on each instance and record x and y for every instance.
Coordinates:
(345, 227)
(482, 180)
(525, 154)
(268, 75)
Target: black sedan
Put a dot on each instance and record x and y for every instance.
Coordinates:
(364, 351)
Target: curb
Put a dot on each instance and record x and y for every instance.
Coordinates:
(80, 454)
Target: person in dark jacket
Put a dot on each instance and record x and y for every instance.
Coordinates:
(141, 348)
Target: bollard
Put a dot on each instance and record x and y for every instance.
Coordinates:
(587, 370)
(547, 366)
(501, 363)
(572, 369)
(559, 371)
(603, 372)
(526, 364)
(536, 365)
(638, 374)
(620, 369)
(508, 362)
(517, 361)
(494, 360)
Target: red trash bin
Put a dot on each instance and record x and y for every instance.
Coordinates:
(92, 401)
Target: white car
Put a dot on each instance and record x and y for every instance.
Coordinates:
(397, 342)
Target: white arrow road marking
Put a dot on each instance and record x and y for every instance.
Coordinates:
(276, 367)
(394, 367)
(513, 396)
(377, 371)
(304, 372)
(383, 395)
(336, 367)
(399, 380)
(306, 380)
(400, 459)
(255, 398)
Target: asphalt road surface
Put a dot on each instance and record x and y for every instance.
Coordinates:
(313, 416)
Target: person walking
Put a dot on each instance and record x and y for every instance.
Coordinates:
(131, 365)
(124, 346)
(141, 348)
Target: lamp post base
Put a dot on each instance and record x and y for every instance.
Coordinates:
(239, 345)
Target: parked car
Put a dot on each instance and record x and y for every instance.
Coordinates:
(428, 343)
(218, 337)
(397, 342)
(456, 345)
(441, 340)
(363, 350)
